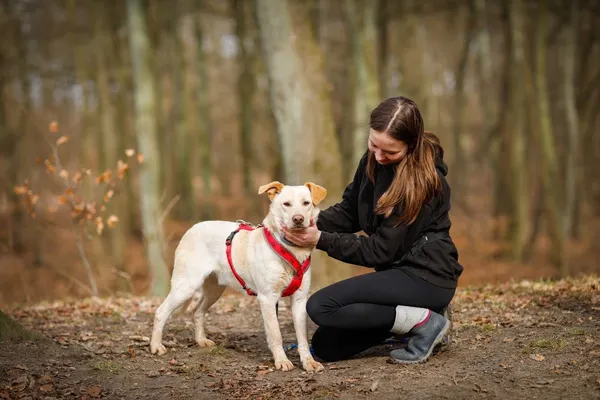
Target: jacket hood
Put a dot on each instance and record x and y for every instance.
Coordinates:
(441, 165)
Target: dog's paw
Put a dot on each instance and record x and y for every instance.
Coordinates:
(158, 349)
(204, 342)
(284, 365)
(312, 365)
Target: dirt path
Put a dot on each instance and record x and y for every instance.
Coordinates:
(511, 341)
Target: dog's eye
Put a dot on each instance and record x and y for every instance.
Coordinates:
(306, 203)
(287, 204)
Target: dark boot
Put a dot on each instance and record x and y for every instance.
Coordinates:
(422, 340)
(446, 340)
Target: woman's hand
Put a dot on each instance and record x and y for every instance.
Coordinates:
(305, 238)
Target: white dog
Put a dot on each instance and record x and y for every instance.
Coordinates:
(215, 254)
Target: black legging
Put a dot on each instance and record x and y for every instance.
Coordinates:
(358, 313)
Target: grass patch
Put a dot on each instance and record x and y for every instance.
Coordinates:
(547, 344)
(12, 330)
(107, 366)
(577, 332)
(487, 327)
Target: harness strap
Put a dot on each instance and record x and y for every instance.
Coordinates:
(244, 227)
(299, 269)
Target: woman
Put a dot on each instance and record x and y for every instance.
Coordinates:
(400, 198)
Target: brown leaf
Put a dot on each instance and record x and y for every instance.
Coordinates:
(112, 221)
(99, 225)
(537, 357)
(20, 383)
(21, 367)
(50, 168)
(94, 391)
(104, 177)
(62, 140)
(34, 198)
(54, 127)
(121, 169)
(140, 158)
(64, 174)
(78, 177)
(62, 199)
(109, 195)
(374, 386)
(21, 189)
(47, 388)
(173, 362)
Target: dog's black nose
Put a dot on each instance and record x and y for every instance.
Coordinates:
(298, 219)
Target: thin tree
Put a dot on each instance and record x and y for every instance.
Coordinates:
(360, 20)
(145, 127)
(301, 106)
(550, 177)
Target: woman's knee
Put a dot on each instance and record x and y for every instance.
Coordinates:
(317, 307)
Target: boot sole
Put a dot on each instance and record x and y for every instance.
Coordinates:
(437, 340)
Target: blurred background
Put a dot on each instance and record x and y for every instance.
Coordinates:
(124, 122)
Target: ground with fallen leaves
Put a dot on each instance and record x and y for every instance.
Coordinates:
(518, 340)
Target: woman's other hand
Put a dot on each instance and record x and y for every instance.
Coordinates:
(303, 238)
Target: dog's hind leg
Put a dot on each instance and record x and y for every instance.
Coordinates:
(207, 296)
(183, 288)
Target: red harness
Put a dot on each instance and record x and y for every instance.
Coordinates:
(299, 269)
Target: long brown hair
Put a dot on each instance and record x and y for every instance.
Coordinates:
(416, 180)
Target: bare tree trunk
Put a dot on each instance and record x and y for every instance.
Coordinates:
(110, 136)
(301, 107)
(549, 168)
(499, 136)
(145, 124)
(360, 19)
(205, 129)
(246, 90)
(572, 166)
(187, 143)
(460, 156)
(519, 193)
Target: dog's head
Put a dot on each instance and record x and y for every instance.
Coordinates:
(294, 206)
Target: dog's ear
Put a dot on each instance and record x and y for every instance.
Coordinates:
(272, 189)
(317, 192)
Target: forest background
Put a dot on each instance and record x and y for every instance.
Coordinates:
(123, 123)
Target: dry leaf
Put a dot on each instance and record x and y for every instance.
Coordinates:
(63, 199)
(34, 198)
(94, 391)
(21, 189)
(62, 140)
(112, 221)
(109, 195)
(140, 158)
(64, 174)
(53, 126)
(47, 388)
(537, 357)
(20, 383)
(49, 167)
(129, 152)
(121, 169)
(374, 386)
(77, 177)
(99, 225)
(104, 177)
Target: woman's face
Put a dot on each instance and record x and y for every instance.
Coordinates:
(387, 150)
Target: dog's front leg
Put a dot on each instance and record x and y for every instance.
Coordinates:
(299, 315)
(273, 333)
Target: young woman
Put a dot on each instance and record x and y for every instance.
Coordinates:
(400, 198)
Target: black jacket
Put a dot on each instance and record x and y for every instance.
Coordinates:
(387, 246)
